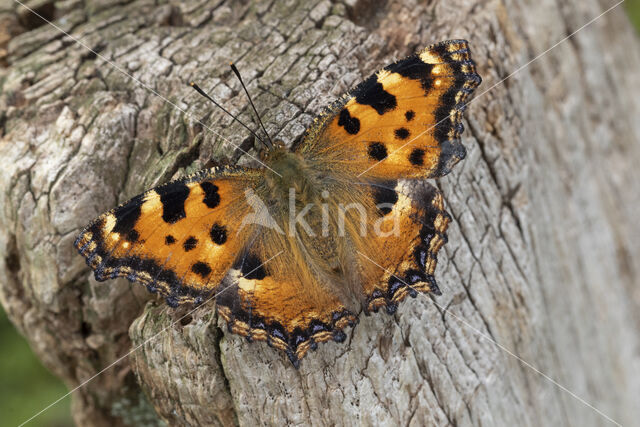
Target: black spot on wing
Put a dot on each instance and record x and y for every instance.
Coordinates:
(402, 133)
(413, 68)
(211, 196)
(218, 234)
(370, 92)
(350, 124)
(132, 236)
(252, 267)
(190, 244)
(377, 151)
(127, 215)
(169, 239)
(417, 157)
(200, 268)
(385, 196)
(172, 197)
(409, 115)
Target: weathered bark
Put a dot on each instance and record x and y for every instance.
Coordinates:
(543, 254)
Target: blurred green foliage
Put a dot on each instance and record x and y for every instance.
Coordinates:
(26, 387)
(633, 9)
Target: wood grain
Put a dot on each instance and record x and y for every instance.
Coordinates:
(544, 248)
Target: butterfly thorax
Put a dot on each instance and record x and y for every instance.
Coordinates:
(305, 199)
(291, 172)
(295, 186)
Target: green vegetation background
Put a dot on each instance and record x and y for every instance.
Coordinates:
(26, 387)
(633, 9)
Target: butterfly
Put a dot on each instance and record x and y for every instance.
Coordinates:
(340, 223)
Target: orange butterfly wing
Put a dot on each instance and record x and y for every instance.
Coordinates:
(265, 300)
(265, 297)
(401, 255)
(402, 122)
(178, 239)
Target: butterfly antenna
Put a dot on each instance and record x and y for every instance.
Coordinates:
(237, 73)
(203, 93)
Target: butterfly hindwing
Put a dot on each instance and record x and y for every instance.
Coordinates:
(403, 254)
(402, 122)
(263, 298)
(178, 239)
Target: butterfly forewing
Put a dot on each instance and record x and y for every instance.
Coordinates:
(402, 122)
(178, 239)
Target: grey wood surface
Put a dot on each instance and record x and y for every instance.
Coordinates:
(544, 249)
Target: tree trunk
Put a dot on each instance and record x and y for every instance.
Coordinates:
(544, 248)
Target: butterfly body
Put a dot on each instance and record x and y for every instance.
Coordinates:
(290, 172)
(294, 251)
(307, 201)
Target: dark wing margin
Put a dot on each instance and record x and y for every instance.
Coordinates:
(449, 127)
